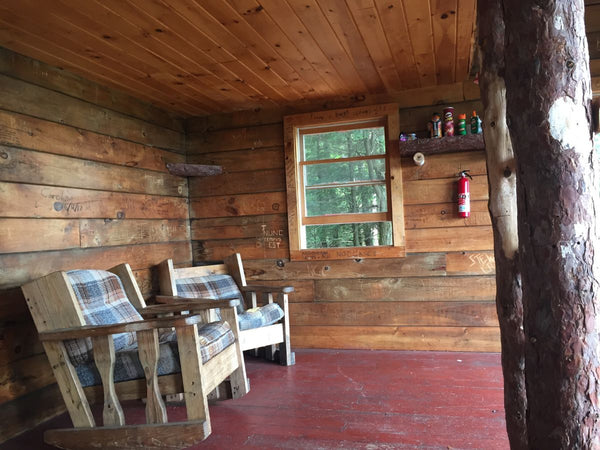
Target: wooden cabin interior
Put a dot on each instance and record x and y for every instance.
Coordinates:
(97, 97)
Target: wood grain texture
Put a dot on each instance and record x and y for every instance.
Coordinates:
(24, 131)
(25, 98)
(22, 166)
(17, 268)
(447, 289)
(435, 313)
(397, 338)
(238, 205)
(413, 265)
(51, 77)
(207, 57)
(28, 200)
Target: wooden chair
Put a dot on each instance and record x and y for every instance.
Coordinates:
(215, 281)
(80, 313)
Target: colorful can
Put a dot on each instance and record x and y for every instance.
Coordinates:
(435, 126)
(462, 124)
(403, 137)
(412, 137)
(449, 121)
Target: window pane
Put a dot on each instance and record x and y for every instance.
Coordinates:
(371, 169)
(349, 235)
(344, 144)
(346, 200)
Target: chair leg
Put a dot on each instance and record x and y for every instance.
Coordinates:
(238, 378)
(286, 356)
(191, 371)
(104, 357)
(149, 352)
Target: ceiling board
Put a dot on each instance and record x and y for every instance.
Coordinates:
(199, 57)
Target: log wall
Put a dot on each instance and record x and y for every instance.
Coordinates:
(83, 184)
(440, 297)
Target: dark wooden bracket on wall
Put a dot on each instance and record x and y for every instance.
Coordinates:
(449, 144)
(193, 170)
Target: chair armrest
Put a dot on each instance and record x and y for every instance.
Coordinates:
(191, 305)
(104, 330)
(267, 289)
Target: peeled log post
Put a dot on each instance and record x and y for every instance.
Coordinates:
(503, 211)
(548, 107)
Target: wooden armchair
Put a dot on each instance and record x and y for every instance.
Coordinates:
(91, 316)
(266, 326)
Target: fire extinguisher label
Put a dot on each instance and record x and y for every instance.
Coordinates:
(464, 202)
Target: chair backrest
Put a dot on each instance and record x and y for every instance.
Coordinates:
(213, 281)
(81, 297)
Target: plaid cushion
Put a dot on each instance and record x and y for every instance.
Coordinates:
(220, 287)
(103, 302)
(260, 317)
(214, 338)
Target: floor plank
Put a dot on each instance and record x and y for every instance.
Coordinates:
(353, 399)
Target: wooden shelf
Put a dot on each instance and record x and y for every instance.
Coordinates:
(193, 170)
(433, 146)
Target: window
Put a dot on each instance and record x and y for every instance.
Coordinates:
(344, 184)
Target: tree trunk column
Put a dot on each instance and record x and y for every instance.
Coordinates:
(548, 107)
(503, 211)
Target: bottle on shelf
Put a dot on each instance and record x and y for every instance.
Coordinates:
(462, 125)
(475, 123)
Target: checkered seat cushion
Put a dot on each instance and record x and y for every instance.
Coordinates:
(222, 287)
(103, 302)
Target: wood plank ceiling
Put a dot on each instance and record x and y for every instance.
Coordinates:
(198, 57)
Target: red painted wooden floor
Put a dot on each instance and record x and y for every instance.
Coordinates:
(352, 399)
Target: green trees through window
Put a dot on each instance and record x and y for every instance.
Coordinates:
(344, 178)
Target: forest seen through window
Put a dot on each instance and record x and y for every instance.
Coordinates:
(345, 193)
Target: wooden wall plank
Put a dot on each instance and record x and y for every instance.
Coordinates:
(50, 77)
(109, 232)
(470, 263)
(238, 205)
(24, 376)
(258, 248)
(19, 339)
(446, 165)
(28, 411)
(413, 265)
(304, 290)
(22, 166)
(29, 132)
(19, 268)
(26, 235)
(239, 183)
(448, 289)
(442, 190)
(25, 98)
(455, 339)
(239, 227)
(478, 314)
(449, 239)
(440, 215)
(235, 139)
(243, 160)
(27, 200)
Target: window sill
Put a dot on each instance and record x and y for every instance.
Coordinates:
(321, 254)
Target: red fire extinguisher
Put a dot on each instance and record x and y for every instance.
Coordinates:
(464, 195)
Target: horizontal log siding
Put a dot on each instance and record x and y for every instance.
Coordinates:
(83, 184)
(440, 297)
